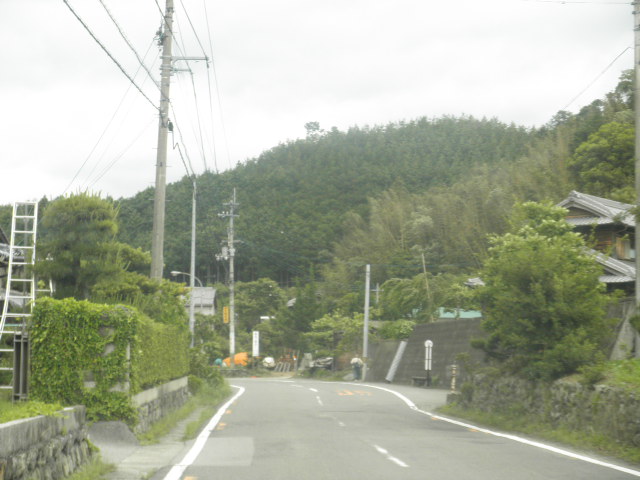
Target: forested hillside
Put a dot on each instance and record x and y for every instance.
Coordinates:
(387, 195)
(295, 197)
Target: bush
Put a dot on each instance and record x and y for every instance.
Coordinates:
(396, 330)
(200, 368)
(195, 384)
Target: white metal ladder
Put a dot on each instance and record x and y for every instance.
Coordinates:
(19, 295)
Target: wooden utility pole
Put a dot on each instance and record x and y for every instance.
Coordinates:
(157, 240)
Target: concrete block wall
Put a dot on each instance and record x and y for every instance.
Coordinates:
(154, 403)
(450, 338)
(44, 448)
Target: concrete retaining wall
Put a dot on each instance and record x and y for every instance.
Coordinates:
(450, 338)
(44, 448)
(156, 402)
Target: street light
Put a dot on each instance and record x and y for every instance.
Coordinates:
(192, 314)
(175, 273)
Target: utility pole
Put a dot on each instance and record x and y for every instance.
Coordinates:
(157, 240)
(192, 267)
(636, 24)
(229, 253)
(365, 333)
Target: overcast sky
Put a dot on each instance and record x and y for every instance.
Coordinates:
(72, 121)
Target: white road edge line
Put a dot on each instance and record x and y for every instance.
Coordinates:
(514, 438)
(391, 458)
(177, 470)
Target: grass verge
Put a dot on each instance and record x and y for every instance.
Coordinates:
(529, 425)
(93, 470)
(207, 399)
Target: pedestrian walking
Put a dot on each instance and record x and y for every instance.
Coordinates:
(357, 363)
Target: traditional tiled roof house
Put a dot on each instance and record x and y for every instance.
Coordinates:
(610, 227)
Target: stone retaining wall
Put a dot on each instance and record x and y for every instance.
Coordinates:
(156, 402)
(598, 409)
(44, 448)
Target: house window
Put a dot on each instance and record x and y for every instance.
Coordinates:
(625, 248)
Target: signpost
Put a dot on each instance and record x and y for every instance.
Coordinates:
(428, 348)
(256, 344)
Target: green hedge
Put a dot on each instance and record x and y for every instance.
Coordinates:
(113, 347)
(163, 352)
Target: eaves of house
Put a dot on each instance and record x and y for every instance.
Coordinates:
(585, 209)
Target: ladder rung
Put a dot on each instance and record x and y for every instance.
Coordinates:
(6, 369)
(6, 387)
(18, 315)
(25, 231)
(7, 350)
(23, 297)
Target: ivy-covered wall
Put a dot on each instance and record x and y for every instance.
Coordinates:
(99, 355)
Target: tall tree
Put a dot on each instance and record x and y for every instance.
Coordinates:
(543, 304)
(78, 232)
(604, 164)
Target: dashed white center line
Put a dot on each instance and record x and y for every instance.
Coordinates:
(390, 457)
(313, 390)
(319, 400)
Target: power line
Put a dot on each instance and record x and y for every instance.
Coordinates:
(565, 1)
(104, 132)
(215, 78)
(117, 158)
(193, 28)
(195, 99)
(193, 87)
(596, 79)
(124, 37)
(86, 27)
(177, 127)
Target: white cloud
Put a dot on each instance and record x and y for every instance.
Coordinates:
(280, 64)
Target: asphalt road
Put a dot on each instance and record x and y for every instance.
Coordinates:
(301, 429)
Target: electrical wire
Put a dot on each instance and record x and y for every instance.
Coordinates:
(86, 27)
(220, 109)
(569, 1)
(119, 157)
(131, 47)
(596, 79)
(193, 29)
(195, 99)
(104, 132)
(198, 134)
(176, 126)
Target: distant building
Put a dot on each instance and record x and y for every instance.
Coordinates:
(610, 226)
(204, 300)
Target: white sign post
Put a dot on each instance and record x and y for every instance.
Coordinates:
(256, 344)
(428, 348)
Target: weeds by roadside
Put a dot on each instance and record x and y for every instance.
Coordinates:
(14, 411)
(94, 470)
(530, 426)
(208, 399)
